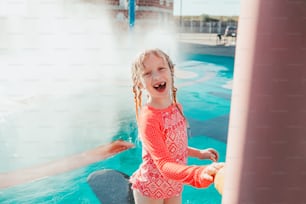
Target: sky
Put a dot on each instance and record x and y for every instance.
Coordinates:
(210, 7)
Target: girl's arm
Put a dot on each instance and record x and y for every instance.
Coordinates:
(194, 152)
(209, 153)
(152, 139)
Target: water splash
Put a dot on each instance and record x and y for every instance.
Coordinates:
(65, 77)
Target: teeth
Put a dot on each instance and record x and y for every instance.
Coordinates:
(158, 85)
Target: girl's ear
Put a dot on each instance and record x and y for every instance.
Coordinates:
(139, 84)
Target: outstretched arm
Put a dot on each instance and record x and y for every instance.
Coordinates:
(63, 165)
(152, 139)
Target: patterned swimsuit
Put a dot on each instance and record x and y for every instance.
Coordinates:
(148, 179)
(164, 153)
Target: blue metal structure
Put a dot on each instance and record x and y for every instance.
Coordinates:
(131, 13)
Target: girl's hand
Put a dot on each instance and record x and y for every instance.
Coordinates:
(211, 170)
(209, 153)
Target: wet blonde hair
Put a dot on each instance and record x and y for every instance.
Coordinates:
(137, 68)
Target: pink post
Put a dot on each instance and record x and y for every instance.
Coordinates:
(266, 155)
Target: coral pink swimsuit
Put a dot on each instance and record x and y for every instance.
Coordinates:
(164, 153)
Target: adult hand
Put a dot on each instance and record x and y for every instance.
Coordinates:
(219, 180)
(119, 146)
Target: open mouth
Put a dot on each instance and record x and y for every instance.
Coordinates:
(160, 87)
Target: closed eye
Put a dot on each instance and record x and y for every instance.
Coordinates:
(146, 74)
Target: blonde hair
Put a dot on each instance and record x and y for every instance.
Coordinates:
(137, 68)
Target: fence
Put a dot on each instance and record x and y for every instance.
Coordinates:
(194, 26)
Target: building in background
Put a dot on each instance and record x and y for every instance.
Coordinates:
(160, 13)
(147, 12)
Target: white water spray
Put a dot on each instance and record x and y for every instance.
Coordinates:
(65, 77)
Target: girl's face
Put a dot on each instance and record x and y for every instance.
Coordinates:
(156, 77)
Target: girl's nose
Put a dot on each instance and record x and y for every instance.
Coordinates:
(155, 76)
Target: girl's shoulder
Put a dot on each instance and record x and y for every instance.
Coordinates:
(149, 112)
(148, 116)
(156, 117)
(180, 106)
(146, 109)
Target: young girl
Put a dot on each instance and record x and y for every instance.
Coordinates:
(163, 132)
